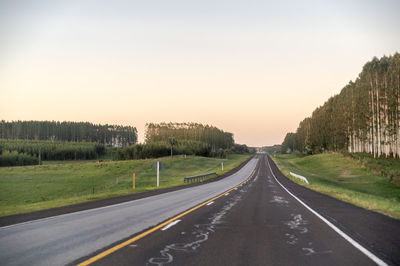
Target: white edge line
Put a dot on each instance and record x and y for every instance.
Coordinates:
(170, 225)
(337, 230)
(94, 209)
(81, 211)
(85, 211)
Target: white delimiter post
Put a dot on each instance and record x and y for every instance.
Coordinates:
(222, 166)
(158, 173)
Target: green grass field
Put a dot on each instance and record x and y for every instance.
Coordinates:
(30, 188)
(344, 178)
(388, 167)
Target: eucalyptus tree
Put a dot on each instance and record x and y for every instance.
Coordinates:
(112, 135)
(363, 117)
(172, 142)
(211, 135)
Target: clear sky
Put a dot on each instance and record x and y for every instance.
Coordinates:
(253, 68)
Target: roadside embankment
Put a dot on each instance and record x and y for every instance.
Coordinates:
(343, 178)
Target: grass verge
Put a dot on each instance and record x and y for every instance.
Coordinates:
(387, 167)
(32, 188)
(344, 178)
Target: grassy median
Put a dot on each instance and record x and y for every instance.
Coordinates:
(31, 188)
(344, 178)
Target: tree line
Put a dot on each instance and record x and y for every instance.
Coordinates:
(272, 149)
(214, 137)
(183, 138)
(363, 117)
(51, 150)
(24, 145)
(110, 135)
(14, 158)
(187, 147)
(161, 149)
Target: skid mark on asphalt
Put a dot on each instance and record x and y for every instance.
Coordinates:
(279, 200)
(245, 188)
(200, 232)
(292, 239)
(297, 224)
(271, 183)
(311, 251)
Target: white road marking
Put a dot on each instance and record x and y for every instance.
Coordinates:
(82, 211)
(226, 194)
(208, 204)
(201, 233)
(170, 225)
(337, 230)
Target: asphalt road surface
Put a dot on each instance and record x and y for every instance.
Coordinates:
(264, 219)
(62, 239)
(261, 223)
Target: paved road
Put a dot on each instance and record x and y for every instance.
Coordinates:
(260, 223)
(62, 239)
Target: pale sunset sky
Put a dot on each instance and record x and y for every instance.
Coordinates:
(253, 68)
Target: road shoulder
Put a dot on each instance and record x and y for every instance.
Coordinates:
(375, 231)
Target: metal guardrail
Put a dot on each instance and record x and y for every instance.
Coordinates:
(197, 178)
(302, 178)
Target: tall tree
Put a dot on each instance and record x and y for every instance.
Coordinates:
(364, 117)
(172, 142)
(112, 135)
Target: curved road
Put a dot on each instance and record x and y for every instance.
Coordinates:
(260, 223)
(63, 239)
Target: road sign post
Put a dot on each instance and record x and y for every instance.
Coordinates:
(158, 173)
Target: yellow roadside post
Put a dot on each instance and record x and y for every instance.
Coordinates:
(133, 180)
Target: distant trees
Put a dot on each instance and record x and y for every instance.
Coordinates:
(50, 140)
(161, 149)
(364, 117)
(213, 136)
(241, 149)
(14, 158)
(110, 135)
(272, 149)
(53, 150)
(290, 143)
(183, 138)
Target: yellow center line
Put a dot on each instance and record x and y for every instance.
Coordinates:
(130, 241)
